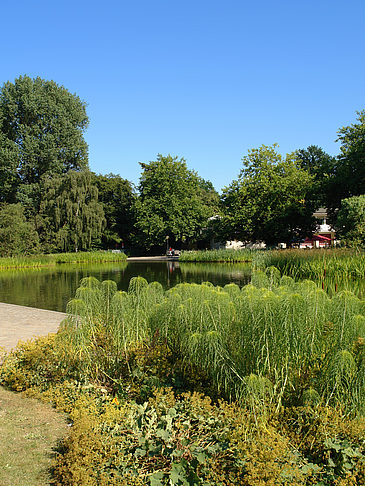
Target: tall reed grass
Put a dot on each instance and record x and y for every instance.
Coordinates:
(54, 259)
(273, 342)
(243, 255)
(314, 264)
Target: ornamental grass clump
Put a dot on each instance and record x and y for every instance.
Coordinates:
(268, 343)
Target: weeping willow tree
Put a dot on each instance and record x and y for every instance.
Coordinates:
(71, 218)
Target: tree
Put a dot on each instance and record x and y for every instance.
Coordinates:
(43, 124)
(321, 166)
(350, 169)
(173, 201)
(17, 235)
(268, 202)
(71, 218)
(8, 170)
(117, 196)
(350, 224)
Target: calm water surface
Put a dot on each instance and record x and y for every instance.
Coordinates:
(52, 288)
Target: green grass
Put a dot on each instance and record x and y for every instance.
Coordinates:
(29, 433)
(217, 256)
(315, 264)
(54, 259)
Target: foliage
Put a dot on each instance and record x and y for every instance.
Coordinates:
(185, 439)
(161, 438)
(315, 264)
(350, 222)
(233, 337)
(350, 171)
(72, 217)
(320, 165)
(42, 126)
(269, 201)
(36, 364)
(117, 196)
(173, 202)
(17, 235)
(217, 256)
(53, 259)
(8, 169)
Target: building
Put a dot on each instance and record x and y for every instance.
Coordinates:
(324, 236)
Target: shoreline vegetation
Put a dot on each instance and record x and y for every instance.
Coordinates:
(210, 256)
(204, 385)
(50, 260)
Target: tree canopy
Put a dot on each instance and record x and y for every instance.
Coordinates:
(71, 218)
(17, 235)
(173, 201)
(350, 223)
(350, 169)
(268, 202)
(41, 131)
(117, 197)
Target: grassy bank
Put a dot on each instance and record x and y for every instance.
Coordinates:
(217, 256)
(30, 432)
(202, 385)
(54, 259)
(315, 264)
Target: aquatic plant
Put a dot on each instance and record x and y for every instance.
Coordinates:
(54, 259)
(244, 255)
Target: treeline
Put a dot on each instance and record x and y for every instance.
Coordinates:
(51, 202)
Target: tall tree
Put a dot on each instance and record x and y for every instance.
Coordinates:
(41, 131)
(173, 201)
(322, 167)
(268, 202)
(350, 170)
(117, 196)
(71, 218)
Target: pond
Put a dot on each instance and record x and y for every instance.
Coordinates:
(52, 287)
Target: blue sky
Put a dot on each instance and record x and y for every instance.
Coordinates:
(204, 80)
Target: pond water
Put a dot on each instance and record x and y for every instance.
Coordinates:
(52, 287)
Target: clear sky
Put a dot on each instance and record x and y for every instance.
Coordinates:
(202, 79)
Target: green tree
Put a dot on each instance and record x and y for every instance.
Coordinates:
(17, 235)
(117, 196)
(43, 124)
(350, 169)
(268, 202)
(350, 224)
(70, 218)
(322, 167)
(8, 170)
(173, 201)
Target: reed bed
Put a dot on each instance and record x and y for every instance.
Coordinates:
(315, 264)
(54, 259)
(243, 255)
(274, 342)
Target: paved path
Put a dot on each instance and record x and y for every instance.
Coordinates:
(19, 322)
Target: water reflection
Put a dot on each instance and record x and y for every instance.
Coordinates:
(51, 288)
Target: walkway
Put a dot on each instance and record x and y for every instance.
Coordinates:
(21, 323)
